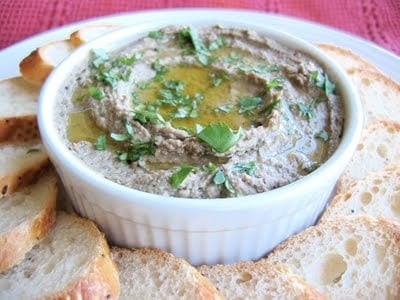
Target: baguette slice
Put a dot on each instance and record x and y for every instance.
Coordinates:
(377, 194)
(258, 280)
(37, 66)
(25, 219)
(72, 262)
(379, 95)
(18, 100)
(346, 58)
(153, 274)
(355, 257)
(376, 150)
(89, 33)
(20, 165)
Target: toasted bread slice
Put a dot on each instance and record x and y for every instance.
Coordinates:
(258, 280)
(153, 274)
(346, 58)
(90, 32)
(72, 262)
(354, 257)
(18, 110)
(376, 150)
(379, 95)
(20, 165)
(25, 219)
(37, 66)
(377, 194)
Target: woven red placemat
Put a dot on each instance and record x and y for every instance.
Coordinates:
(375, 20)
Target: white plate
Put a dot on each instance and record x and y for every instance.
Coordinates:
(385, 60)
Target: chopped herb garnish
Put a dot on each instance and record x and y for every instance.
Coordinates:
(101, 142)
(160, 70)
(157, 35)
(259, 69)
(210, 168)
(221, 178)
(193, 44)
(217, 44)
(137, 149)
(127, 60)
(100, 56)
(322, 81)
(147, 114)
(226, 108)
(219, 137)
(269, 108)
(96, 92)
(247, 105)
(248, 168)
(276, 83)
(323, 135)
(179, 176)
(218, 78)
(234, 58)
(307, 110)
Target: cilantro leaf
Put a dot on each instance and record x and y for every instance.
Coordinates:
(258, 69)
(219, 137)
(221, 178)
(322, 81)
(226, 108)
(248, 104)
(96, 92)
(276, 83)
(268, 109)
(157, 35)
(179, 176)
(248, 168)
(160, 70)
(101, 142)
(323, 135)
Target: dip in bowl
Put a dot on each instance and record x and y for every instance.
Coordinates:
(214, 142)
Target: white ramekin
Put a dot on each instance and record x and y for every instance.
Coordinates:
(199, 230)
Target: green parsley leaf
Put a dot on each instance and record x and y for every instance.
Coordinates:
(210, 168)
(101, 142)
(219, 177)
(226, 108)
(268, 109)
(248, 168)
(323, 135)
(96, 92)
(157, 35)
(218, 78)
(178, 177)
(234, 58)
(248, 104)
(219, 136)
(276, 83)
(127, 60)
(147, 114)
(217, 44)
(160, 70)
(99, 57)
(322, 81)
(137, 149)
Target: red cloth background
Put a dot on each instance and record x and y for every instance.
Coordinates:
(374, 20)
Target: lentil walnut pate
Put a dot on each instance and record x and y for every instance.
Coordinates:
(207, 112)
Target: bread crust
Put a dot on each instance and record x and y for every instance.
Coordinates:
(10, 183)
(101, 281)
(77, 37)
(19, 129)
(16, 243)
(34, 69)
